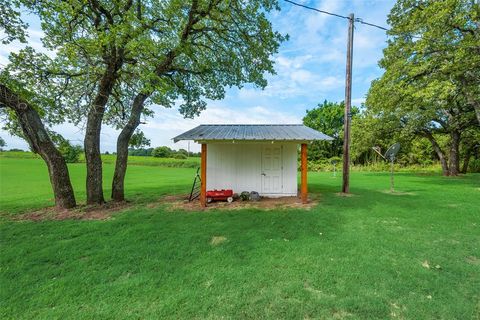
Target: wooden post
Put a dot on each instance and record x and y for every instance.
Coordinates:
(203, 176)
(303, 186)
(348, 115)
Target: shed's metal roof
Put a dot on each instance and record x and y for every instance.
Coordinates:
(288, 132)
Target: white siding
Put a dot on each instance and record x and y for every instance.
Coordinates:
(238, 166)
(290, 168)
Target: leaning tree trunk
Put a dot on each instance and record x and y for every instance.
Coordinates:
(439, 152)
(93, 158)
(118, 190)
(454, 153)
(40, 142)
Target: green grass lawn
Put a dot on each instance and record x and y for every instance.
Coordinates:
(24, 183)
(374, 255)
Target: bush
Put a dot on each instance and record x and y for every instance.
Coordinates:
(474, 166)
(179, 156)
(71, 153)
(245, 196)
(162, 152)
(182, 151)
(140, 152)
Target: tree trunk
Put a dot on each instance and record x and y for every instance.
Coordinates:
(454, 153)
(118, 193)
(439, 152)
(40, 142)
(93, 158)
(466, 160)
(118, 190)
(476, 106)
(472, 100)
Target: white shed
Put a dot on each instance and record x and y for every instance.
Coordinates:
(260, 158)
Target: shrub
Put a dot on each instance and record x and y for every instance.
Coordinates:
(162, 152)
(245, 195)
(474, 165)
(182, 151)
(71, 153)
(179, 156)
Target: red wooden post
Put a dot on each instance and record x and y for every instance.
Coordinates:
(303, 186)
(203, 176)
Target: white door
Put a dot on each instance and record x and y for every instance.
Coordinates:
(272, 169)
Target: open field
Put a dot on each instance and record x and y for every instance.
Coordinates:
(191, 162)
(412, 255)
(25, 184)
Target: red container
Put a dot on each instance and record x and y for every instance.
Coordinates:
(222, 195)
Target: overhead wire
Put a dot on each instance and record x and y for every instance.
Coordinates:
(370, 24)
(336, 15)
(315, 9)
(359, 20)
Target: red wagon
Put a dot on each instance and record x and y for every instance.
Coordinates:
(220, 195)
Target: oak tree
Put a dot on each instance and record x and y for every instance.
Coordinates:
(24, 117)
(431, 84)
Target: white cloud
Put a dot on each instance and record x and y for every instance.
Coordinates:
(358, 101)
(301, 76)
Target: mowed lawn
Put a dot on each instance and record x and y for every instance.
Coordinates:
(414, 255)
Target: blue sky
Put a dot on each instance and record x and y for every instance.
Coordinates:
(310, 68)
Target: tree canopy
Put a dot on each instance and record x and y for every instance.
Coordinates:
(431, 84)
(111, 62)
(327, 117)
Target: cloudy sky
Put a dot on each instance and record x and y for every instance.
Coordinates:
(310, 68)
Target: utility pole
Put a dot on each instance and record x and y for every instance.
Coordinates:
(348, 106)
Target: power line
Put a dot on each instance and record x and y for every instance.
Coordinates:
(336, 15)
(370, 24)
(348, 87)
(315, 9)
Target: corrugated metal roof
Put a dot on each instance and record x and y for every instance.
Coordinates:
(286, 132)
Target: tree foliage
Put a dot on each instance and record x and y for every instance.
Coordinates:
(11, 23)
(3, 144)
(71, 153)
(162, 152)
(327, 117)
(138, 140)
(431, 84)
(112, 61)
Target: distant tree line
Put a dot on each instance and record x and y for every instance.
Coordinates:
(139, 141)
(370, 131)
(162, 152)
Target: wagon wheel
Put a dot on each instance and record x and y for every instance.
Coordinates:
(230, 199)
(209, 200)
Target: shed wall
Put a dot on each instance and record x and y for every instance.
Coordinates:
(238, 166)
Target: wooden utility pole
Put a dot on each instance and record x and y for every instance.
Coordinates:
(348, 106)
